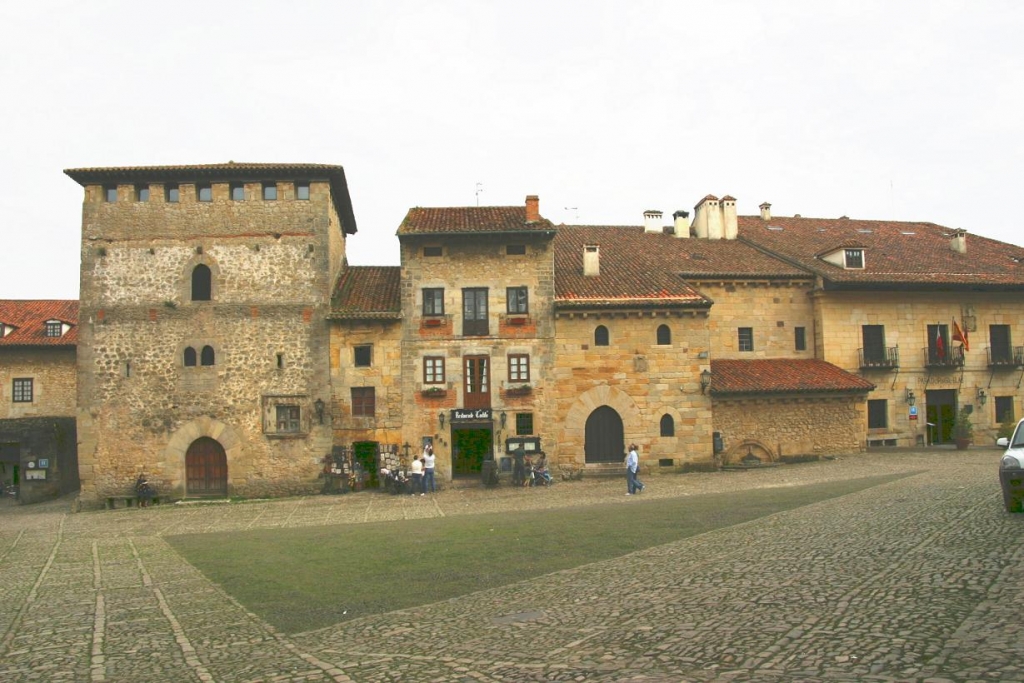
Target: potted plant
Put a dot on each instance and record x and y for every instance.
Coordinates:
(963, 429)
(434, 392)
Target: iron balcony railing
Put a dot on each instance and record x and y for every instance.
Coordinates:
(948, 358)
(1006, 357)
(880, 357)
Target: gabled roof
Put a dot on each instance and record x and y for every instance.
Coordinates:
(29, 317)
(652, 268)
(232, 170)
(368, 293)
(782, 376)
(895, 252)
(462, 220)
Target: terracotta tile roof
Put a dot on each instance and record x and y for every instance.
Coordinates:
(782, 376)
(368, 292)
(29, 317)
(470, 219)
(653, 267)
(895, 252)
(232, 170)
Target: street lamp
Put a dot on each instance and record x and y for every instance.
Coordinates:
(705, 379)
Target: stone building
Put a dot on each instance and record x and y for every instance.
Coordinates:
(203, 341)
(37, 405)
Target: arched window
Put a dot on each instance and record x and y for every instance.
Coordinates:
(601, 336)
(190, 357)
(206, 357)
(664, 335)
(202, 283)
(668, 425)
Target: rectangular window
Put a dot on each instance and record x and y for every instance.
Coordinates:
(364, 355)
(854, 258)
(746, 339)
(518, 367)
(302, 191)
(433, 370)
(524, 424)
(878, 413)
(54, 328)
(873, 337)
(999, 342)
(204, 193)
(1004, 409)
(22, 390)
(433, 301)
(938, 344)
(142, 193)
(110, 193)
(288, 418)
(515, 249)
(432, 251)
(237, 192)
(517, 300)
(474, 312)
(269, 191)
(172, 194)
(363, 401)
(800, 338)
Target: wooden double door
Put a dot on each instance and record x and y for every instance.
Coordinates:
(206, 468)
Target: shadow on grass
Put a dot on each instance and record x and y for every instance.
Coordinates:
(308, 578)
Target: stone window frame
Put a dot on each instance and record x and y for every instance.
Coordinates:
(524, 424)
(302, 187)
(269, 191)
(878, 413)
(236, 191)
(364, 401)
(517, 300)
(433, 370)
(189, 357)
(602, 336)
(172, 193)
(663, 335)
(434, 295)
(799, 338)
(204, 192)
(185, 288)
(1005, 408)
(140, 192)
(291, 402)
(23, 390)
(745, 339)
(109, 194)
(207, 356)
(364, 350)
(667, 426)
(518, 367)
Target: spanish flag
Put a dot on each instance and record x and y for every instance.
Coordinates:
(960, 336)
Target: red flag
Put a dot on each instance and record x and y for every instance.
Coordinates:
(960, 336)
(940, 346)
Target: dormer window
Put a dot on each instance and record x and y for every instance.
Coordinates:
(854, 258)
(54, 328)
(5, 330)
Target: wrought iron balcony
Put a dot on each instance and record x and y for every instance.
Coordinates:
(882, 358)
(950, 358)
(1006, 357)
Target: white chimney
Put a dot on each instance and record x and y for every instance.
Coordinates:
(681, 221)
(703, 214)
(730, 226)
(766, 211)
(652, 221)
(959, 241)
(591, 260)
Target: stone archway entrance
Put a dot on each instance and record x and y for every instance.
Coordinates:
(604, 439)
(206, 468)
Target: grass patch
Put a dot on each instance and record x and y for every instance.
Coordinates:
(308, 578)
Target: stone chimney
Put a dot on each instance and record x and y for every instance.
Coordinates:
(704, 213)
(766, 211)
(730, 226)
(681, 221)
(959, 241)
(652, 221)
(532, 208)
(591, 260)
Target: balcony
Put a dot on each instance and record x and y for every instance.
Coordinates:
(879, 358)
(950, 358)
(1005, 357)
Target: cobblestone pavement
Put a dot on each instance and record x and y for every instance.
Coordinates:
(915, 580)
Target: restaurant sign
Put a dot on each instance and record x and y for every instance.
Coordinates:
(471, 415)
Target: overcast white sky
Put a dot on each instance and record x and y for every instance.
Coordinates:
(881, 110)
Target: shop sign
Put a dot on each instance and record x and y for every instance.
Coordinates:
(471, 415)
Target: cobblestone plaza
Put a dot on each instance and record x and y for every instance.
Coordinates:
(913, 580)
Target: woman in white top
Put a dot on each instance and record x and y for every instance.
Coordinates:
(428, 468)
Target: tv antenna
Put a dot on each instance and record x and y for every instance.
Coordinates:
(479, 189)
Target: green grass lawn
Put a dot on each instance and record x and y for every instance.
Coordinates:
(307, 578)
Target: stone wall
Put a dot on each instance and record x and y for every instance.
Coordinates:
(773, 310)
(52, 372)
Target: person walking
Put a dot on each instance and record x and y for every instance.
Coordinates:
(428, 468)
(633, 484)
(416, 469)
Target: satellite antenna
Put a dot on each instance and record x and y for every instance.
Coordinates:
(479, 189)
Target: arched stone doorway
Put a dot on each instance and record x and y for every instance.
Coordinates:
(604, 440)
(206, 468)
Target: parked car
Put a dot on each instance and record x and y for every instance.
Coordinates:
(1011, 469)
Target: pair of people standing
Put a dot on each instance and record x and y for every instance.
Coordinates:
(633, 484)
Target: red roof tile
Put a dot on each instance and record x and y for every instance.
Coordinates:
(782, 376)
(895, 252)
(29, 317)
(368, 292)
(470, 219)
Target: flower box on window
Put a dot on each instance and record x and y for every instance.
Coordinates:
(434, 392)
(518, 390)
(432, 322)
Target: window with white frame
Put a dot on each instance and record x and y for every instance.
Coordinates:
(433, 370)
(519, 367)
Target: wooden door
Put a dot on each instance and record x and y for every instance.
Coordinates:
(477, 381)
(206, 468)
(940, 412)
(604, 437)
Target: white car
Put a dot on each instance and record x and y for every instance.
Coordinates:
(1011, 469)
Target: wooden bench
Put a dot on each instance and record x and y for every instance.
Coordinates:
(129, 501)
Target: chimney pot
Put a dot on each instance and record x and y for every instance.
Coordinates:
(959, 241)
(681, 221)
(766, 211)
(591, 260)
(652, 220)
(532, 208)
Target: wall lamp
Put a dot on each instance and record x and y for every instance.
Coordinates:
(982, 396)
(705, 380)
(440, 419)
(911, 399)
(504, 419)
(318, 406)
